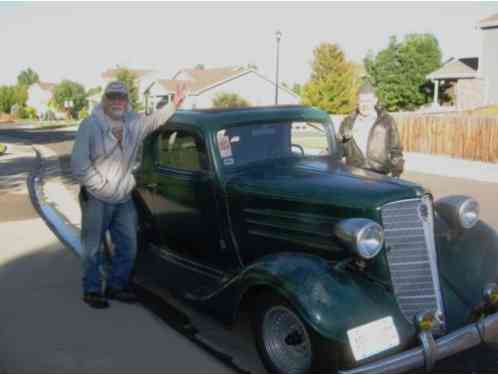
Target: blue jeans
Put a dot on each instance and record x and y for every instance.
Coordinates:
(120, 220)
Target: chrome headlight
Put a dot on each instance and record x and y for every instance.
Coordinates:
(363, 236)
(458, 211)
(469, 213)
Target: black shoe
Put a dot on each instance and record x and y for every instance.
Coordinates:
(123, 295)
(95, 300)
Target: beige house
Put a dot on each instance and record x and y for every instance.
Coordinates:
(39, 96)
(203, 85)
(473, 80)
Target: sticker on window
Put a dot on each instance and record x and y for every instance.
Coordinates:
(224, 144)
(229, 161)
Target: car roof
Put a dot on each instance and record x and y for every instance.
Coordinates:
(214, 119)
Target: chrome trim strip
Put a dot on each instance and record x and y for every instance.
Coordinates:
(431, 244)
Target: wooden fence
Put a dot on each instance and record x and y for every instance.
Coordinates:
(4, 117)
(459, 136)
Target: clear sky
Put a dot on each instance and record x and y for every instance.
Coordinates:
(79, 41)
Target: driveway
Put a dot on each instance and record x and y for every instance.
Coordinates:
(45, 326)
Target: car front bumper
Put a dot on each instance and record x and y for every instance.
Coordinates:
(483, 331)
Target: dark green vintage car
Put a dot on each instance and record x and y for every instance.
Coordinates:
(341, 269)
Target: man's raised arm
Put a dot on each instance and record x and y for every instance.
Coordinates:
(159, 117)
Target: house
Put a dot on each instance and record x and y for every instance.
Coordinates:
(39, 96)
(489, 57)
(93, 101)
(461, 77)
(473, 80)
(204, 84)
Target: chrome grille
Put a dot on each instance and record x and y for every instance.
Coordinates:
(409, 237)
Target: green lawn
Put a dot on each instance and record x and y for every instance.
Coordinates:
(311, 141)
(55, 124)
(486, 111)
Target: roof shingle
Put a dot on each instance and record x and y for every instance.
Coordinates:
(457, 68)
(47, 86)
(489, 21)
(203, 78)
(111, 73)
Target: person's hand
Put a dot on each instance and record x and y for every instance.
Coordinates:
(180, 93)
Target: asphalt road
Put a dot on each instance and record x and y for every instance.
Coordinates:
(61, 142)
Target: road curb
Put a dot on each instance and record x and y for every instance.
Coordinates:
(51, 216)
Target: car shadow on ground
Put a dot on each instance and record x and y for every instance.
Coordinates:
(38, 136)
(13, 173)
(47, 328)
(59, 167)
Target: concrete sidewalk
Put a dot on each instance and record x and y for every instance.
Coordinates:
(451, 167)
(45, 326)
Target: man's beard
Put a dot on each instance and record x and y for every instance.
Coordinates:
(116, 114)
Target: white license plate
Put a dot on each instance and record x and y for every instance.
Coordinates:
(372, 338)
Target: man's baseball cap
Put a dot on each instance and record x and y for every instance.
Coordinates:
(116, 87)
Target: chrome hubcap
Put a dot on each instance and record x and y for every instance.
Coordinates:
(286, 340)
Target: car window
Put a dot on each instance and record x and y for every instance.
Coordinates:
(257, 142)
(182, 150)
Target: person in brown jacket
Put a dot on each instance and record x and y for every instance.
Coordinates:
(369, 138)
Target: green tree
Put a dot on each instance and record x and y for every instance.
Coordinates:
(7, 98)
(333, 85)
(297, 89)
(27, 77)
(130, 80)
(93, 91)
(11, 96)
(21, 95)
(229, 100)
(398, 72)
(70, 91)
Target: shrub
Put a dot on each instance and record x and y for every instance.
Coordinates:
(83, 113)
(229, 100)
(26, 113)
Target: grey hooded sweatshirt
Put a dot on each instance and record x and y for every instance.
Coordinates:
(104, 166)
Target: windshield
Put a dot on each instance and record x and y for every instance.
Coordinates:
(245, 144)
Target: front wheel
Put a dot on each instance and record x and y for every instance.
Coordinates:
(286, 344)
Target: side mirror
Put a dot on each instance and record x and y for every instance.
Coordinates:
(297, 150)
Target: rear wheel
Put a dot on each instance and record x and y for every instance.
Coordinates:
(285, 342)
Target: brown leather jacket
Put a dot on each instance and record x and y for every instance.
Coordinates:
(384, 151)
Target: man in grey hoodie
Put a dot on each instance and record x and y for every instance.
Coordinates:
(103, 157)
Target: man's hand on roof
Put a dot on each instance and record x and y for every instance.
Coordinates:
(180, 93)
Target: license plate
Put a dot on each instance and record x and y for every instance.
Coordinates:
(372, 338)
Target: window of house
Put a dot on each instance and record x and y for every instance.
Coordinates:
(182, 150)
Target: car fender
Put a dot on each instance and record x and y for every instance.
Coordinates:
(468, 260)
(330, 299)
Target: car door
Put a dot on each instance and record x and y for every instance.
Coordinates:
(185, 207)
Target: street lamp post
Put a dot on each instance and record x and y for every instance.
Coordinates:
(278, 35)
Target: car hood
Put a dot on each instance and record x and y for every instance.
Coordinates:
(322, 181)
